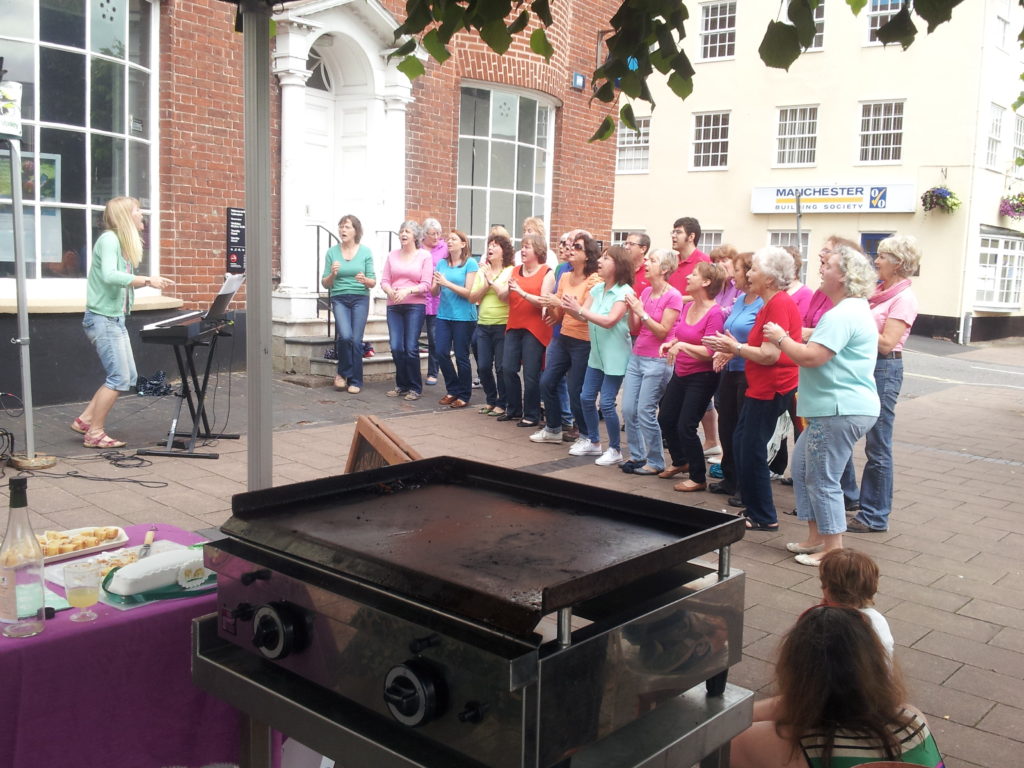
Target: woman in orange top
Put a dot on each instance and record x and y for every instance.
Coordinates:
(526, 334)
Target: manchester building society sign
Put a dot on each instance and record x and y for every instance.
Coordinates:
(834, 198)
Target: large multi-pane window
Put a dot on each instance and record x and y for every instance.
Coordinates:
(711, 140)
(797, 139)
(995, 135)
(633, 148)
(798, 240)
(717, 30)
(819, 28)
(87, 109)
(881, 132)
(505, 145)
(1018, 147)
(1000, 267)
(879, 14)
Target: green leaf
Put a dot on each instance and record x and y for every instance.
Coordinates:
(418, 16)
(899, 29)
(681, 86)
(1019, 102)
(681, 64)
(454, 20)
(627, 117)
(543, 10)
(606, 92)
(539, 44)
(935, 12)
(630, 84)
(606, 129)
(432, 42)
(404, 50)
(519, 24)
(496, 35)
(411, 67)
(856, 5)
(802, 16)
(780, 46)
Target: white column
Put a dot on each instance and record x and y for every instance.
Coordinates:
(296, 275)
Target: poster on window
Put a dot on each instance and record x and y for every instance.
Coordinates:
(43, 174)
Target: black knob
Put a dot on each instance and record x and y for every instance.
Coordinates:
(278, 630)
(249, 577)
(415, 692)
(473, 712)
(243, 611)
(266, 634)
(421, 644)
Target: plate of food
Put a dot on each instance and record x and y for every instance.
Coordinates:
(64, 545)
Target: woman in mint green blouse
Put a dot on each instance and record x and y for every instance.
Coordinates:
(349, 276)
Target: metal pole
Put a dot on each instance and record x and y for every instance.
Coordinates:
(256, 37)
(22, 297)
(799, 240)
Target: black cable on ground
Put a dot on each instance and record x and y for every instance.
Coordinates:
(117, 458)
(15, 412)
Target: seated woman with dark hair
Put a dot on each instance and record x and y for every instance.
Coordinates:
(840, 704)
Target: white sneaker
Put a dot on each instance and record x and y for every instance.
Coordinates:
(583, 447)
(609, 458)
(545, 435)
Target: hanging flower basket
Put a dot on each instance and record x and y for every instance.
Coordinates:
(942, 198)
(1012, 206)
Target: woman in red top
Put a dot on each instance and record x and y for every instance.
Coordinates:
(771, 381)
(526, 334)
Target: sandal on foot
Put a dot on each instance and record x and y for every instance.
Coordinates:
(79, 426)
(485, 409)
(646, 469)
(102, 440)
(354, 390)
(753, 525)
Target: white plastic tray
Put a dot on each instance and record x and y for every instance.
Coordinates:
(106, 544)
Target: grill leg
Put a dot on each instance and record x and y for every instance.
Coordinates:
(255, 747)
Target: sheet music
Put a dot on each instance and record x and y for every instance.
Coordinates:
(231, 284)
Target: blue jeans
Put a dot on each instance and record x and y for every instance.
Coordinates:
(565, 366)
(350, 312)
(822, 451)
(449, 334)
(431, 322)
(683, 406)
(607, 385)
(405, 323)
(110, 337)
(750, 441)
(645, 382)
(490, 348)
(523, 349)
(877, 481)
(731, 395)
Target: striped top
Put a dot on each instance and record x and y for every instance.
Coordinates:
(917, 746)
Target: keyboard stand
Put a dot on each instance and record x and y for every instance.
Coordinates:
(193, 392)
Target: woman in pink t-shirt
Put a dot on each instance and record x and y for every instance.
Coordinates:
(894, 307)
(652, 316)
(694, 382)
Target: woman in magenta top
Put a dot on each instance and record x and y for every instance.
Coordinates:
(694, 380)
(406, 278)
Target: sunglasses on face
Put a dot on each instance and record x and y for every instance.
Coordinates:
(577, 246)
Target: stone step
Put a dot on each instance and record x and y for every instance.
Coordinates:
(380, 367)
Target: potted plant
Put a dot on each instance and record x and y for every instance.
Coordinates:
(1012, 206)
(942, 198)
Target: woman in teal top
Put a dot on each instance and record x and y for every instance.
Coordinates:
(840, 702)
(606, 311)
(110, 293)
(349, 276)
(456, 319)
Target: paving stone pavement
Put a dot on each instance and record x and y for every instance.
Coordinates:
(952, 575)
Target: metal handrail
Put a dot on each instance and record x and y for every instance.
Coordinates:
(332, 239)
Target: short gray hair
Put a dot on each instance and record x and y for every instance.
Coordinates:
(413, 226)
(905, 253)
(777, 265)
(429, 224)
(668, 260)
(858, 272)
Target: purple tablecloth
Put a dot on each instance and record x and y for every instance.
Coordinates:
(116, 692)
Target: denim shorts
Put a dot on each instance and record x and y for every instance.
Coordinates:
(110, 337)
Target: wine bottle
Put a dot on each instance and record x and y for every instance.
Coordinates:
(21, 570)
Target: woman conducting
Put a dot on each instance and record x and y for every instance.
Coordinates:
(406, 279)
(841, 702)
(110, 294)
(456, 319)
(771, 381)
(837, 397)
(894, 307)
(348, 275)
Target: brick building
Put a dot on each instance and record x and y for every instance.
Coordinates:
(145, 98)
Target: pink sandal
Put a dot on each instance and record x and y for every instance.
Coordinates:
(102, 440)
(79, 426)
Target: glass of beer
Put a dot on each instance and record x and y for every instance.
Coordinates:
(82, 585)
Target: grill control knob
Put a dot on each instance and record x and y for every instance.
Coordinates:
(277, 630)
(415, 692)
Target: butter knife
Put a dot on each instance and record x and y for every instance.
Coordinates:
(147, 544)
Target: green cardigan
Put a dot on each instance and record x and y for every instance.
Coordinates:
(110, 278)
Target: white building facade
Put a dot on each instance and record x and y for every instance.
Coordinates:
(858, 132)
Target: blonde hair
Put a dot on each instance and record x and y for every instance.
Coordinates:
(117, 217)
(537, 223)
(904, 251)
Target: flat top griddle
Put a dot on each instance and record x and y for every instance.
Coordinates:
(493, 545)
